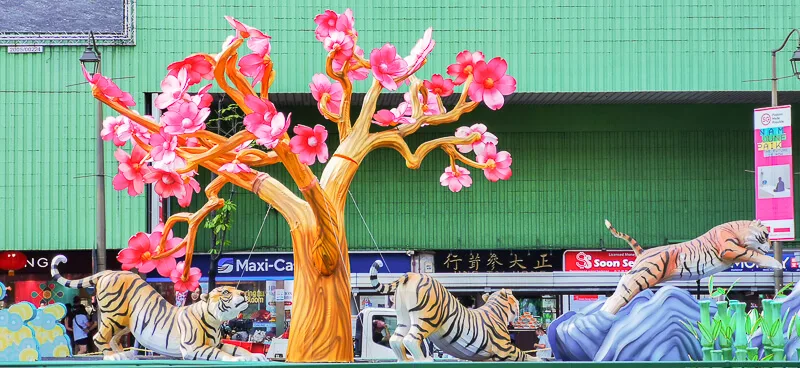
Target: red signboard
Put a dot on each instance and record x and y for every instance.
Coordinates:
(598, 261)
(585, 298)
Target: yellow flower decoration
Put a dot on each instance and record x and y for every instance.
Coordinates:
(28, 355)
(61, 351)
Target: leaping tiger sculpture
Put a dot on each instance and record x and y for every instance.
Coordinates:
(712, 252)
(128, 304)
(425, 309)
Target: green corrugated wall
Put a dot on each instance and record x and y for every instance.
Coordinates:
(48, 128)
(656, 171)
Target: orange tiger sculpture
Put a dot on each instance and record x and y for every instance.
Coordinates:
(712, 252)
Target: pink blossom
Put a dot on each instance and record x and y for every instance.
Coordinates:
(132, 170)
(168, 183)
(479, 145)
(188, 119)
(321, 85)
(390, 118)
(310, 143)
(141, 249)
(465, 63)
(387, 65)
(137, 254)
(192, 142)
(439, 86)
(171, 242)
(491, 83)
(173, 88)
(196, 66)
(419, 52)
(430, 108)
(164, 146)
(498, 163)
(254, 65)
(189, 185)
(203, 99)
(340, 45)
(259, 42)
(346, 23)
(265, 122)
(354, 74)
(235, 167)
(117, 129)
(326, 23)
(192, 282)
(139, 131)
(242, 30)
(109, 89)
(455, 180)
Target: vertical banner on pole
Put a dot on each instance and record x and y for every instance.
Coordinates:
(774, 174)
(156, 203)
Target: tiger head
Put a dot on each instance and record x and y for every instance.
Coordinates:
(755, 236)
(503, 298)
(225, 302)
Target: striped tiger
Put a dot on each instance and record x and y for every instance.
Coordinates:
(426, 310)
(712, 252)
(126, 303)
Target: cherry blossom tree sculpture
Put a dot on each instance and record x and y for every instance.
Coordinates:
(167, 153)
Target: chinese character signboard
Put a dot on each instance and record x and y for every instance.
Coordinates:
(498, 261)
(774, 181)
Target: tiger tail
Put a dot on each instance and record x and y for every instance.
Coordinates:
(389, 288)
(631, 241)
(89, 281)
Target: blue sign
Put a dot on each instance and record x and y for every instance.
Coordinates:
(280, 266)
(789, 265)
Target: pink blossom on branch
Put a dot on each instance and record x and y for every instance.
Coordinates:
(265, 122)
(132, 170)
(203, 99)
(499, 163)
(346, 23)
(439, 86)
(387, 65)
(167, 183)
(116, 129)
(491, 83)
(173, 89)
(235, 167)
(455, 180)
(429, 108)
(309, 144)
(321, 85)
(171, 242)
(257, 41)
(188, 119)
(464, 66)
(196, 66)
(254, 65)
(330, 21)
(189, 186)
(391, 117)
(141, 249)
(354, 74)
(340, 44)
(479, 145)
(192, 282)
(164, 146)
(109, 89)
(419, 52)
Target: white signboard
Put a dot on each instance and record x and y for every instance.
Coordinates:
(25, 49)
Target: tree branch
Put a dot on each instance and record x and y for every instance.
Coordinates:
(343, 118)
(413, 160)
(364, 120)
(462, 107)
(220, 149)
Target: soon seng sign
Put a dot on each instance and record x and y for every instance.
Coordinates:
(598, 261)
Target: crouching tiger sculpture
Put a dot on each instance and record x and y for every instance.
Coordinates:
(712, 252)
(128, 304)
(426, 310)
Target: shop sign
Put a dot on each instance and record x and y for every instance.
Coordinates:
(78, 261)
(586, 298)
(245, 266)
(622, 261)
(498, 261)
(774, 189)
(598, 261)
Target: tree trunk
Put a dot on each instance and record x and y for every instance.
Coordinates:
(320, 329)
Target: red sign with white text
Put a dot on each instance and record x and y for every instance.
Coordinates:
(586, 298)
(598, 261)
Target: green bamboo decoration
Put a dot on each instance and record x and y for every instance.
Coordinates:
(716, 355)
(776, 332)
(767, 323)
(706, 328)
(740, 332)
(723, 318)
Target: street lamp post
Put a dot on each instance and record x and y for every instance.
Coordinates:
(795, 61)
(91, 61)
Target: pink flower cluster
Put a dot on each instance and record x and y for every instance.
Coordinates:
(255, 64)
(490, 82)
(141, 249)
(338, 35)
(498, 164)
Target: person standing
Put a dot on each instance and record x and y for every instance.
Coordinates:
(80, 329)
(543, 346)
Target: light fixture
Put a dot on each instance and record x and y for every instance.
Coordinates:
(795, 60)
(91, 56)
